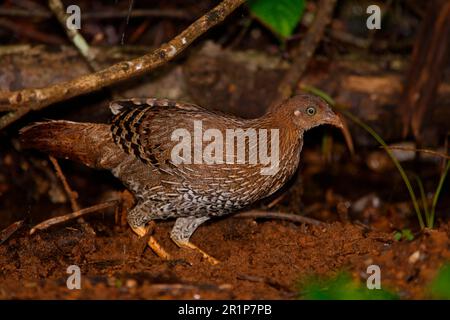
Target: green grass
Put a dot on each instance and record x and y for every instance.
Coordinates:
(428, 214)
(437, 193)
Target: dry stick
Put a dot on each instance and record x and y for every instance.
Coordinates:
(71, 194)
(275, 201)
(22, 101)
(183, 286)
(427, 151)
(29, 32)
(157, 13)
(304, 52)
(77, 39)
(57, 220)
(8, 231)
(13, 12)
(255, 214)
(265, 280)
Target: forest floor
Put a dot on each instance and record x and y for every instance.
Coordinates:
(259, 260)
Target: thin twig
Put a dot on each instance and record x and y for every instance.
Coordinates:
(183, 286)
(427, 151)
(28, 31)
(143, 13)
(73, 195)
(304, 52)
(277, 200)
(77, 39)
(154, 13)
(15, 12)
(57, 220)
(21, 102)
(349, 38)
(266, 280)
(256, 214)
(9, 231)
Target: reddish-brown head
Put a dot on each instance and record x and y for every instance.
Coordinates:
(307, 111)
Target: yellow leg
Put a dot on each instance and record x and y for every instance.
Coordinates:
(190, 245)
(152, 243)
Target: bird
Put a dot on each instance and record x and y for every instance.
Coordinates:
(147, 146)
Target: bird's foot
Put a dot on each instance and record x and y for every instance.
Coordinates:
(152, 243)
(190, 245)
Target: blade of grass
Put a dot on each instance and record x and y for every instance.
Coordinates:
(437, 193)
(375, 135)
(424, 201)
(394, 160)
(319, 93)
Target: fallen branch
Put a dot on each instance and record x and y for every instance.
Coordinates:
(256, 214)
(57, 220)
(304, 52)
(21, 102)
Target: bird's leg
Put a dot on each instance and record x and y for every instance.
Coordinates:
(152, 243)
(137, 218)
(182, 231)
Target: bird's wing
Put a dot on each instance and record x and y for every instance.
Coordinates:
(144, 127)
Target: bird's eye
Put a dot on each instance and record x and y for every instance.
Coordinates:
(310, 111)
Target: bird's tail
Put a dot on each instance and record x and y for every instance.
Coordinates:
(89, 143)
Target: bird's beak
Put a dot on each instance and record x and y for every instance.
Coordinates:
(333, 119)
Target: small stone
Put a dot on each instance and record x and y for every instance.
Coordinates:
(414, 257)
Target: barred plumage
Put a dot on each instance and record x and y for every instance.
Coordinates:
(137, 148)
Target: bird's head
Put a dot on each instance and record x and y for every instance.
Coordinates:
(307, 111)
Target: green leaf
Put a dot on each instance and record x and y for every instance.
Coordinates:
(281, 16)
(341, 287)
(407, 234)
(397, 236)
(440, 288)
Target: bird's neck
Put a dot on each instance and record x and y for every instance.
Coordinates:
(290, 136)
(290, 143)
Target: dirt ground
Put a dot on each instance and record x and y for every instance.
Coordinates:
(259, 260)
